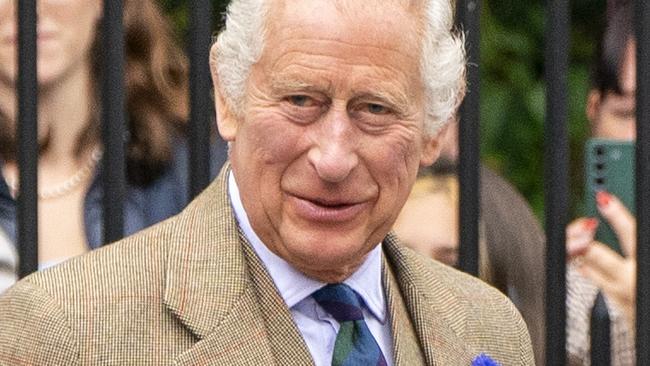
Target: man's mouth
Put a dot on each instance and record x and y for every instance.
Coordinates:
(326, 210)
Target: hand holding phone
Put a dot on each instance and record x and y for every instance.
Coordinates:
(613, 273)
(609, 167)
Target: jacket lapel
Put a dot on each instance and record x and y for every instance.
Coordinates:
(208, 287)
(286, 342)
(429, 304)
(241, 339)
(406, 347)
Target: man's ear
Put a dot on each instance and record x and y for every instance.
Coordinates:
(592, 108)
(227, 121)
(432, 146)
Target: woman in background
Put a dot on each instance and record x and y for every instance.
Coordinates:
(69, 73)
(511, 241)
(611, 110)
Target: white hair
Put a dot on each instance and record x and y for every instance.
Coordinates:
(442, 60)
(238, 47)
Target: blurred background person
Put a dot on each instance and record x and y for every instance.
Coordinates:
(69, 103)
(511, 243)
(610, 108)
(611, 111)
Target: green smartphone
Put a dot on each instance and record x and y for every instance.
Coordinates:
(609, 166)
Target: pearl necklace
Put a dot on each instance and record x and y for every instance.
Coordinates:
(67, 186)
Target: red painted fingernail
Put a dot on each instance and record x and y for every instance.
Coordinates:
(590, 223)
(603, 198)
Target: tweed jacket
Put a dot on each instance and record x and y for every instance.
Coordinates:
(189, 291)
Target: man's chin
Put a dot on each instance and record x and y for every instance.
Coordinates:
(334, 274)
(328, 264)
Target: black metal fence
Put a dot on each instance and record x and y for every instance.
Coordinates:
(642, 12)
(113, 121)
(27, 134)
(556, 177)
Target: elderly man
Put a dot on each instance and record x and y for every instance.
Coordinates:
(330, 107)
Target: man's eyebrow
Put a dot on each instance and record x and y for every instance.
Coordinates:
(291, 84)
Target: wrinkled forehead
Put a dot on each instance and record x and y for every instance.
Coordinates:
(345, 20)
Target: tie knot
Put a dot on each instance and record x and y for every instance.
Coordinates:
(340, 301)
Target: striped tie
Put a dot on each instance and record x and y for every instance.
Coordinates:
(355, 345)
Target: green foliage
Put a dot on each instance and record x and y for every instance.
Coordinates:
(513, 91)
(178, 13)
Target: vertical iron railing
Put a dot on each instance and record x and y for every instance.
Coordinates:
(601, 344)
(201, 105)
(27, 139)
(556, 176)
(468, 15)
(113, 121)
(642, 11)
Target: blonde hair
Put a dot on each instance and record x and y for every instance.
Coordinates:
(447, 184)
(429, 184)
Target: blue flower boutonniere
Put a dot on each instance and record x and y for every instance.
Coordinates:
(484, 360)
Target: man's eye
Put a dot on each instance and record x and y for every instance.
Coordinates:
(301, 101)
(377, 108)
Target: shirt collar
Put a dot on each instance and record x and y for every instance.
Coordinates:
(293, 285)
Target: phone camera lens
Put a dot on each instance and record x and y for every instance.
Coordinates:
(600, 166)
(600, 181)
(600, 150)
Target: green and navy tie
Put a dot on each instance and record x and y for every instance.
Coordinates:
(355, 345)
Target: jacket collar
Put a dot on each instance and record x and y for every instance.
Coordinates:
(433, 308)
(206, 270)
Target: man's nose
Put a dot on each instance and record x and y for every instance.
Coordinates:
(334, 154)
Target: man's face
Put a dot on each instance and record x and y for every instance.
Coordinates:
(333, 131)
